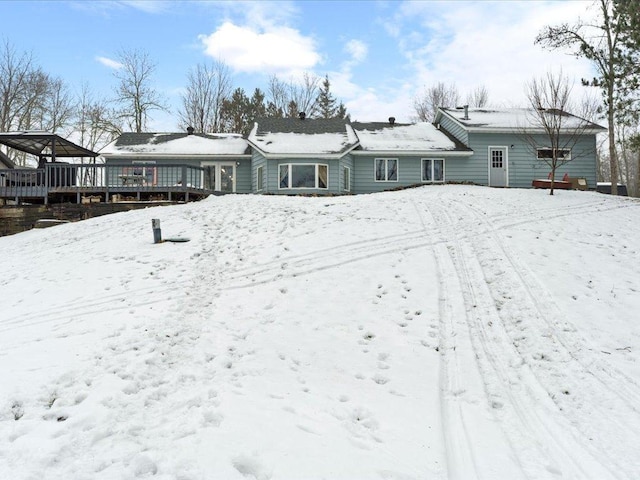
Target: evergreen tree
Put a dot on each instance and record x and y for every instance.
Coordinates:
(234, 112)
(326, 104)
(240, 111)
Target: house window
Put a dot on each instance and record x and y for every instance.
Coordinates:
(307, 175)
(432, 170)
(386, 169)
(497, 158)
(346, 179)
(260, 178)
(563, 154)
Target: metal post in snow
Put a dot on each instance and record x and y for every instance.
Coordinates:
(157, 234)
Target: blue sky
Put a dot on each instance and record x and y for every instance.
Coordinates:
(378, 54)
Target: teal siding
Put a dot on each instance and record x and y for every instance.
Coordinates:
(258, 160)
(409, 172)
(243, 176)
(454, 129)
(346, 162)
(523, 164)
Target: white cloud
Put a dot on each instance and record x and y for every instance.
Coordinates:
(107, 62)
(271, 49)
(487, 43)
(357, 49)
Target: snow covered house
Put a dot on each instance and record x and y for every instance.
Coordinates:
(157, 161)
(509, 146)
(337, 156)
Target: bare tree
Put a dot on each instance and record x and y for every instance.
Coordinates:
(57, 107)
(15, 75)
(209, 85)
(305, 94)
(602, 44)
(96, 123)
(278, 97)
(556, 145)
(288, 99)
(29, 97)
(438, 95)
(479, 97)
(135, 92)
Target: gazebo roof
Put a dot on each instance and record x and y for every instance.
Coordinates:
(44, 144)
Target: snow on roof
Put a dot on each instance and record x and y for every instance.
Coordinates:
(512, 118)
(416, 137)
(176, 144)
(323, 138)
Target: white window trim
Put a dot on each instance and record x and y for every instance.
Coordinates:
(386, 170)
(566, 158)
(217, 166)
(444, 169)
(259, 177)
(505, 159)
(346, 172)
(290, 165)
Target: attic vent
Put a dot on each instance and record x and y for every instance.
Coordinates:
(189, 130)
(392, 120)
(302, 115)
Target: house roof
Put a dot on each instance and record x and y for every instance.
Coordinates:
(419, 137)
(512, 119)
(44, 144)
(176, 144)
(5, 161)
(298, 137)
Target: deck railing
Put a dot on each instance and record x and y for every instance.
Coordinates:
(100, 178)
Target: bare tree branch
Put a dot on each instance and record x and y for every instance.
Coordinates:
(134, 91)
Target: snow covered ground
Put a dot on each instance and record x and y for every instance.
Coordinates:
(442, 332)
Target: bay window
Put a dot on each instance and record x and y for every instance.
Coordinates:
(303, 175)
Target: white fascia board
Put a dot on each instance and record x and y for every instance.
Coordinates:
(405, 153)
(533, 131)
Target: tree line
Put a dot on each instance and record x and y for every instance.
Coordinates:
(31, 99)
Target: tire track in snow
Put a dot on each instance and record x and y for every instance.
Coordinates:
(617, 395)
(459, 374)
(515, 396)
(626, 388)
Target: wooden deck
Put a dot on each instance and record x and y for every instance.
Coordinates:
(86, 183)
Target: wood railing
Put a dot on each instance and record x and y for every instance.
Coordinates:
(100, 178)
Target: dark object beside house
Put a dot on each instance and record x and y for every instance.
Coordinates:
(605, 187)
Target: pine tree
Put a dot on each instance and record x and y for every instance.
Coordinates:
(326, 102)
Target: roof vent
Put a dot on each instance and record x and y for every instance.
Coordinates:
(392, 120)
(189, 130)
(466, 111)
(302, 115)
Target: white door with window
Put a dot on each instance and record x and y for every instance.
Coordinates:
(498, 167)
(221, 177)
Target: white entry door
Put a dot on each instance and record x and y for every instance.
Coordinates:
(222, 177)
(498, 164)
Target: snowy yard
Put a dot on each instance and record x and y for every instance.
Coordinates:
(442, 332)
